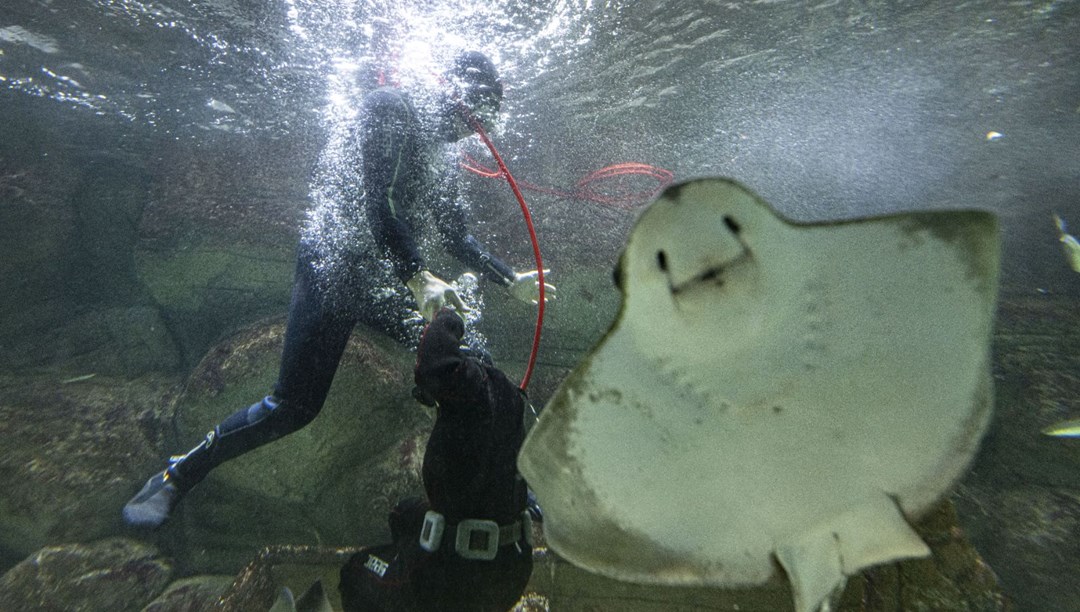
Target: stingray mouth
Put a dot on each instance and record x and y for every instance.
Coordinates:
(713, 275)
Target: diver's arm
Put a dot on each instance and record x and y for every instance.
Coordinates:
(385, 135)
(463, 245)
(524, 286)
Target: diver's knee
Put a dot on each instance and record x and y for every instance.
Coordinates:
(287, 416)
(263, 409)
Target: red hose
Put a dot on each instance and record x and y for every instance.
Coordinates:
(583, 189)
(532, 236)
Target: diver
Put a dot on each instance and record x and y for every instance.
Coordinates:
(468, 546)
(406, 185)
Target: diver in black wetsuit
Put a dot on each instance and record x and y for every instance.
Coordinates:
(468, 546)
(400, 145)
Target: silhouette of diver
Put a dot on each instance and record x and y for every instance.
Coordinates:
(401, 143)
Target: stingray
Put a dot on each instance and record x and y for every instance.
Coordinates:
(772, 394)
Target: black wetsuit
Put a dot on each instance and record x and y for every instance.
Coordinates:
(469, 473)
(402, 188)
(397, 162)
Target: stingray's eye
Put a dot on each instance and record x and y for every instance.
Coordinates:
(732, 224)
(661, 260)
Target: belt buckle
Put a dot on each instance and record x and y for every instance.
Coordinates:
(477, 539)
(431, 533)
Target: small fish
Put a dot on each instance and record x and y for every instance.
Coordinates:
(77, 379)
(1064, 429)
(220, 106)
(1069, 244)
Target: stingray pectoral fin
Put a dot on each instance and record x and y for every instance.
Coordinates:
(580, 521)
(576, 523)
(818, 560)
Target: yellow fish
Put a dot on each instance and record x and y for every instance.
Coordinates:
(1064, 429)
(1069, 244)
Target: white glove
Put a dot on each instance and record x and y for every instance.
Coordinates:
(526, 288)
(432, 294)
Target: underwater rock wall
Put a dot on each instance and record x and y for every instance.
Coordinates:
(68, 218)
(216, 240)
(154, 246)
(1020, 503)
(112, 574)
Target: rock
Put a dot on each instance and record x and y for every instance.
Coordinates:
(953, 578)
(260, 583)
(118, 341)
(566, 588)
(206, 289)
(331, 483)
(113, 574)
(74, 452)
(193, 594)
(1020, 503)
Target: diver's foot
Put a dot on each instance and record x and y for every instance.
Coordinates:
(151, 506)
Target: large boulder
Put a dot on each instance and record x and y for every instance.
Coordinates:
(333, 482)
(204, 288)
(115, 574)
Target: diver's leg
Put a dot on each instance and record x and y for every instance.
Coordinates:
(237, 434)
(315, 337)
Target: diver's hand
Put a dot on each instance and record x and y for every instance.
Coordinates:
(432, 294)
(526, 287)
